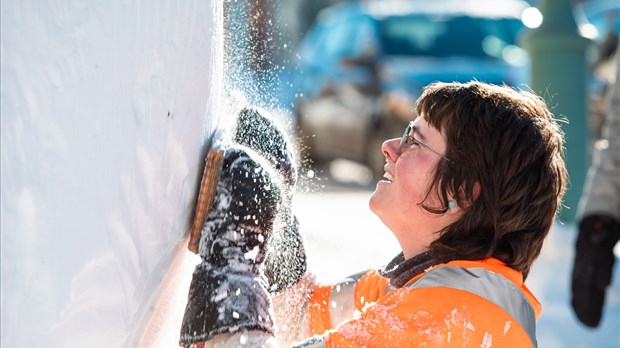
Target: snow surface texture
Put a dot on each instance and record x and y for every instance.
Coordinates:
(105, 108)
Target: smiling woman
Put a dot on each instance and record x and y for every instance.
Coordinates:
(471, 192)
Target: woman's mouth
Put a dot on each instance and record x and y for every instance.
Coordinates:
(387, 177)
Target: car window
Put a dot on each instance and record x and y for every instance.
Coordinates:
(349, 38)
(441, 36)
(328, 42)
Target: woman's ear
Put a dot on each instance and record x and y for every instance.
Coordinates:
(477, 189)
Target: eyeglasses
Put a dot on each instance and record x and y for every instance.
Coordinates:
(408, 140)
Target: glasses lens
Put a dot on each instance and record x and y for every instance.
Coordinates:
(403, 140)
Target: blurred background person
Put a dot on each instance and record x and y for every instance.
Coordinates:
(599, 221)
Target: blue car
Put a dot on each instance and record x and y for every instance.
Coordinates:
(362, 65)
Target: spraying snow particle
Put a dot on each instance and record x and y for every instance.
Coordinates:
(251, 255)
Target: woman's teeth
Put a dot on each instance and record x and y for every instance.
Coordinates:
(388, 177)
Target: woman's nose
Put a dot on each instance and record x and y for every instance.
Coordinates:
(390, 149)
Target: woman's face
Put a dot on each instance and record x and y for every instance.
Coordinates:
(409, 171)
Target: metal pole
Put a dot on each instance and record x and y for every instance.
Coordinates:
(558, 73)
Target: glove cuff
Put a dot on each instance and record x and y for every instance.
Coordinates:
(223, 302)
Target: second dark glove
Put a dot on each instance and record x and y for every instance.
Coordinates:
(286, 257)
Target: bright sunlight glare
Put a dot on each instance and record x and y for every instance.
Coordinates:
(531, 17)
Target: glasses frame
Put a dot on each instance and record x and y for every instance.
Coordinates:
(408, 139)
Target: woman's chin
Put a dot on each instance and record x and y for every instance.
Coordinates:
(374, 203)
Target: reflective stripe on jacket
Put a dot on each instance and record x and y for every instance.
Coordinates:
(457, 304)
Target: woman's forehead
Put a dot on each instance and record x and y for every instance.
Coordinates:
(424, 119)
(420, 125)
(425, 132)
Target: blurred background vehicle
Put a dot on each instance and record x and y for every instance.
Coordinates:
(363, 64)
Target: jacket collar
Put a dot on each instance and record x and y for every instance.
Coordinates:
(399, 271)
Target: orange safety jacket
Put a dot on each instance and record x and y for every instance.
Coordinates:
(456, 304)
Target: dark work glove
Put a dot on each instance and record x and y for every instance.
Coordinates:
(286, 258)
(593, 265)
(228, 292)
(257, 130)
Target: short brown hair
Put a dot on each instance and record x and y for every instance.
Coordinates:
(509, 143)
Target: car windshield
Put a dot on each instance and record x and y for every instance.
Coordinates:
(440, 36)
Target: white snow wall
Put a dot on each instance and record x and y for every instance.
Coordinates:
(105, 109)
